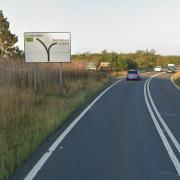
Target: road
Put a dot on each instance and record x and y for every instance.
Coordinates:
(117, 138)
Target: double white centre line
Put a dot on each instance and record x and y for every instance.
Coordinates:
(157, 119)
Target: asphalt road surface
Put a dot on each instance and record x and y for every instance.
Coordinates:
(121, 137)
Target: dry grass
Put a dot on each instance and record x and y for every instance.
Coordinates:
(119, 74)
(27, 118)
(176, 78)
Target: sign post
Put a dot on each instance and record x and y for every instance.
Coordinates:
(61, 75)
(47, 47)
(34, 77)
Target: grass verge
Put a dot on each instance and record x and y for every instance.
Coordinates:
(27, 119)
(119, 74)
(176, 78)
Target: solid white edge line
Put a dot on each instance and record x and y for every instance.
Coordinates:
(173, 139)
(174, 83)
(52, 148)
(161, 134)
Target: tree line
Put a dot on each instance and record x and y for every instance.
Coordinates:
(7, 40)
(124, 61)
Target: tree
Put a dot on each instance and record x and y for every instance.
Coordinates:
(7, 39)
(122, 64)
(131, 64)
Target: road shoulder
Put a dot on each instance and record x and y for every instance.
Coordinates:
(173, 77)
(43, 148)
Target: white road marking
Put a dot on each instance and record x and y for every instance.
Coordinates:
(174, 83)
(52, 148)
(173, 139)
(172, 155)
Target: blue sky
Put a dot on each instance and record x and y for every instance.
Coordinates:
(116, 25)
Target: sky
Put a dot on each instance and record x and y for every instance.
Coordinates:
(96, 25)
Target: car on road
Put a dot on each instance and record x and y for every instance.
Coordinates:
(133, 75)
(158, 69)
(171, 70)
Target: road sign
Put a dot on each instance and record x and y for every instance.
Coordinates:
(47, 47)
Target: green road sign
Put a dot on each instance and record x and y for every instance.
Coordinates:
(29, 39)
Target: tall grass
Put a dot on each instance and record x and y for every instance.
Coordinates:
(27, 116)
(176, 78)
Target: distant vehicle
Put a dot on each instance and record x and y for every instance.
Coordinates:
(133, 75)
(172, 65)
(104, 66)
(171, 68)
(158, 69)
(90, 66)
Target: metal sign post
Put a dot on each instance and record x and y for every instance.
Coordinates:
(61, 75)
(34, 77)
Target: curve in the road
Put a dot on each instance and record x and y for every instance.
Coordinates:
(53, 147)
(152, 107)
(116, 138)
(174, 83)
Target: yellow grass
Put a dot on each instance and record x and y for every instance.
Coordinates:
(176, 78)
(26, 117)
(119, 74)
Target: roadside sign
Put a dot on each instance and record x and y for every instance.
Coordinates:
(47, 46)
(90, 66)
(105, 64)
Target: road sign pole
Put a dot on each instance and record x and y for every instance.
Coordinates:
(61, 74)
(34, 72)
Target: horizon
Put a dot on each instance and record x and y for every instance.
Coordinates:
(109, 52)
(101, 25)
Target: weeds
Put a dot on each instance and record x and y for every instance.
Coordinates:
(28, 117)
(176, 78)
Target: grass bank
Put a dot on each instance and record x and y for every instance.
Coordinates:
(119, 74)
(27, 118)
(176, 78)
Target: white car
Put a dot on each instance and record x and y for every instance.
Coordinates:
(158, 69)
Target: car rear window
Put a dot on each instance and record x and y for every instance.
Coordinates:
(132, 72)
